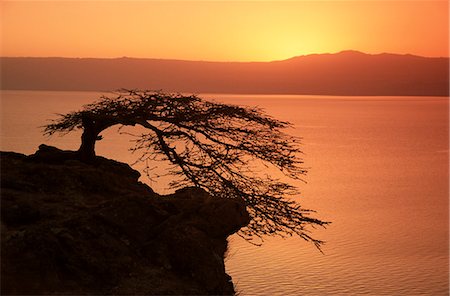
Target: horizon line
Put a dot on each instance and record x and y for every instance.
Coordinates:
(231, 61)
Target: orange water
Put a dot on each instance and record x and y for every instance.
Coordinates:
(378, 171)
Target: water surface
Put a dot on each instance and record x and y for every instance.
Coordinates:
(378, 169)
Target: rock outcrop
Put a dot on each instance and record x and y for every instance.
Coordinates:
(73, 228)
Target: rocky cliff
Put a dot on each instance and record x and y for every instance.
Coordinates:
(73, 228)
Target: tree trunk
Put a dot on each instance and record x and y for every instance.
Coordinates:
(87, 148)
(88, 139)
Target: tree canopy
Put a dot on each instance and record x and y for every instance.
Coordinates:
(219, 147)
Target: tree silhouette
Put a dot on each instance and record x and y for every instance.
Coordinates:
(218, 147)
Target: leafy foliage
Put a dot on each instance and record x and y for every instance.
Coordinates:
(219, 147)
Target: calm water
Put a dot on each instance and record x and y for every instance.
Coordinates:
(378, 171)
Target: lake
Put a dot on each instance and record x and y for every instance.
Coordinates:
(378, 170)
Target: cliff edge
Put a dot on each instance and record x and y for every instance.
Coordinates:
(73, 228)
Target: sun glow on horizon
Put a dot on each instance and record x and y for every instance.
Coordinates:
(222, 31)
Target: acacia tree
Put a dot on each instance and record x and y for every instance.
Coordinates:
(217, 147)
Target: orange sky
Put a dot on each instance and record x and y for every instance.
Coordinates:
(222, 31)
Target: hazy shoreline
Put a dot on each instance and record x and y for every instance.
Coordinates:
(347, 73)
(263, 96)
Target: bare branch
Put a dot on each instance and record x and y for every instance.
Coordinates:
(214, 146)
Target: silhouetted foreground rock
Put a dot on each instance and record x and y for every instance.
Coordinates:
(73, 228)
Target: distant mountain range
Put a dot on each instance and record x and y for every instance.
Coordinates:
(344, 73)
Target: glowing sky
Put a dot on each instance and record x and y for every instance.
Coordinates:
(222, 31)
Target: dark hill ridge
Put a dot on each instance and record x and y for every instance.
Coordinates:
(344, 73)
(73, 228)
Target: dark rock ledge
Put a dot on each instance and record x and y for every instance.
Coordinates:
(73, 228)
